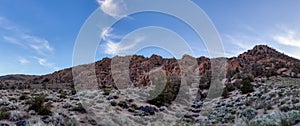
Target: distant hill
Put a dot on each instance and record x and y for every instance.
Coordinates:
(17, 77)
(260, 62)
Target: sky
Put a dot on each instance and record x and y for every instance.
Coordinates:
(38, 37)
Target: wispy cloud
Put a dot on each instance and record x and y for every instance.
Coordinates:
(114, 8)
(44, 62)
(12, 40)
(21, 38)
(115, 48)
(7, 25)
(111, 47)
(288, 37)
(39, 46)
(23, 60)
(107, 34)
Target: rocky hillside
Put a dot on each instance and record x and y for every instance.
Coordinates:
(261, 62)
(272, 99)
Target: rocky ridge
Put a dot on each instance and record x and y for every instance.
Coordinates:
(259, 63)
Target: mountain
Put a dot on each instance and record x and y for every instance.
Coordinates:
(264, 61)
(260, 62)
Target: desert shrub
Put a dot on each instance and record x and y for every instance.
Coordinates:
(79, 108)
(72, 121)
(293, 116)
(12, 99)
(45, 111)
(4, 115)
(63, 95)
(247, 87)
(284, 108)
(73, 92)
(4, 109)
(284, 122)
(22, 97)
(275, 118)
(107, 90)
(38, 105)
(249, 113)
(268, 106)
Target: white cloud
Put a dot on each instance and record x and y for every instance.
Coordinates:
(114, 8)
(23, 61)
(12, 40)
(106, 34)
(114, 48)
(38, 44)
(289, 38)
(45, 63)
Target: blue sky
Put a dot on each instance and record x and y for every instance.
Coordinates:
(37, 37)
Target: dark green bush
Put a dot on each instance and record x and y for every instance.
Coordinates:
(284, 108)
(107, 90)
(12, 99)
(73, 92)
(38, 105)
(45, 111)
(22, 97)
(63, 95)
(247, 87)
(4, 115)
